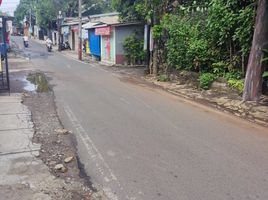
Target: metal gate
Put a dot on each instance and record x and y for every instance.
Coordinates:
(4, 73)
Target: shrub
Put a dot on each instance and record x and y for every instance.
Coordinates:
(233, 75)
(206, 79)
(187, 48)
(236, 84)
(133, 47)
(163, 78)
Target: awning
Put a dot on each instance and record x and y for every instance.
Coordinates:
(89, 25)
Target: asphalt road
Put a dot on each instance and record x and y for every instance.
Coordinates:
(141, 143)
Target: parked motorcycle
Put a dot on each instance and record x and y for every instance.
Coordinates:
(65, 46)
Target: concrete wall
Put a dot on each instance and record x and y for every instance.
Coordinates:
(73, 40)
(122, 32)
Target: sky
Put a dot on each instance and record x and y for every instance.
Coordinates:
(9, 6)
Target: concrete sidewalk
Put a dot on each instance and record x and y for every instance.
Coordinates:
(22, 174)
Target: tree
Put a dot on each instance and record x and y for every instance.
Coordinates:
(97, 6)
(253, 81)
(23, 9)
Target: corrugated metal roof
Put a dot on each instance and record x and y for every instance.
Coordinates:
(117, 24)
(89, 25)
(105, 15)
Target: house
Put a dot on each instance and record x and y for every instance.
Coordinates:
(69, 30)
(106, 36)
(112, 37)
(93, 40)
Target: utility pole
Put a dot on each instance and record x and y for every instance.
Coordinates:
(31, 22)
(80, 30)
(59, 31)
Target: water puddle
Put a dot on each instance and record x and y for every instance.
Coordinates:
(36, 82)
(28, 86)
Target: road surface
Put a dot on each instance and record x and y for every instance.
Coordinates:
(141, 143)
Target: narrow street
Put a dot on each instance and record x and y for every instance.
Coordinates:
(138, 142)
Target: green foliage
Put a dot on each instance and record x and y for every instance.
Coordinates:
(130, 10)
(186, 46)
(244, 29)
(158, 31)
(237, 75)
(265, 59)
(236, 84)
(265, 74)
(47, 10)
(234, 80)
(219, 68)
(206, 79)
(133, 47)
(163, 78)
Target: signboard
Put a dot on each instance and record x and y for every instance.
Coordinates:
(75, 28)
(84, 34)
(103, 31)
(65, 30)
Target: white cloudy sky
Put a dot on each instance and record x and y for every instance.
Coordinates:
(9, 6)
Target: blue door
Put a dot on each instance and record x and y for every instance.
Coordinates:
(94, 43)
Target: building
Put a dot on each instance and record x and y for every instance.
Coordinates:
(70, 28)
(110, 37)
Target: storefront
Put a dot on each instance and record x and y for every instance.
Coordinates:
(112, 38)
(107, 43)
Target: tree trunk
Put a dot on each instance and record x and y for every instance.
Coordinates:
(253, 82)
(155, 61)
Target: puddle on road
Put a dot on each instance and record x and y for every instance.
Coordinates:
(29, 86)
(36, 82)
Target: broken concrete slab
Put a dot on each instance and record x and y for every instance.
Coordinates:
(25, 175)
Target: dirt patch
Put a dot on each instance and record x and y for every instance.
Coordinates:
(223, 98)
(57, 144)
(68, 182)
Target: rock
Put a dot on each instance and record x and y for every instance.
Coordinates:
(218, 85)
(59, 166)
(260, 115)
(69, 159)
(261, 109)
(64, 169)
(221, 100)
(62, 131)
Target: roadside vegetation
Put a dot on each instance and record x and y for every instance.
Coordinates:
(210, 37)
(214, 38)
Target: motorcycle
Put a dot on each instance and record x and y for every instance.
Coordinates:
(26, 44)
(25, 41)
(65, 46)
(49, 47)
